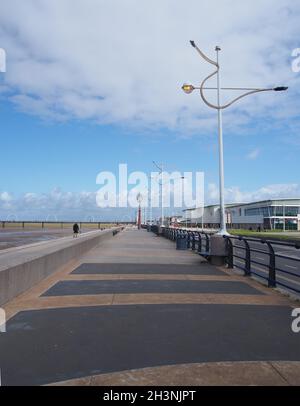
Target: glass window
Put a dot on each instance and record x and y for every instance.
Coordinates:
(292, 211)
(252, 212)
(278, 211)
(265, 211)
(260, 211)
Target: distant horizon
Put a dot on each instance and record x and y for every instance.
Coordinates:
(128, 218)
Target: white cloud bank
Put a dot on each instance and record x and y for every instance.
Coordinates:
(59, 205)
(236, 195)
(124, 61)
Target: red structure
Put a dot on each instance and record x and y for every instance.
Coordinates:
(139, 198)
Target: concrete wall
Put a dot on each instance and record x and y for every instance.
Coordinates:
(23, 267)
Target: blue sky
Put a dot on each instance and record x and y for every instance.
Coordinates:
(79, 98)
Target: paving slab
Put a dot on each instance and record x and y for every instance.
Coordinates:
(45, 346)
(147, 269)
(86, 287)
(135, 310)
(254, 373)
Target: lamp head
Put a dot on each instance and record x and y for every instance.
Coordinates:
(188, 89)
(280, 89)
(139, 198)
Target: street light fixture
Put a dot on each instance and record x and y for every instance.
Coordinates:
(149, 192)
(161, 184)
(139, 198)
(188, 89)
(161, 172)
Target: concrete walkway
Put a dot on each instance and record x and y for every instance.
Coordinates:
(134, 311)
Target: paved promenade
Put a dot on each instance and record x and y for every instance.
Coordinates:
(134, 311)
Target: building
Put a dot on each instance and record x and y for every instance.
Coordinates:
(173, 221)
(274, 214)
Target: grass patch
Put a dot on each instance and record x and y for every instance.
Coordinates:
(274, 235)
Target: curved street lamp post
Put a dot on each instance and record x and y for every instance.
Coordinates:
(188, 88)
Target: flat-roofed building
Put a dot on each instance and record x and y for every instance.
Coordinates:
(272, 214)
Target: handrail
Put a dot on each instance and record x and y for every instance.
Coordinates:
(199, 241)
(263, 240)
(276, 276)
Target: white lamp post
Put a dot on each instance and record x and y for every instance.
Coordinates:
(187, 88)
(161, 172)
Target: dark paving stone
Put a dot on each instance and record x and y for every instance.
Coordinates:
(44, 346)
(150, 269)
(67, 288)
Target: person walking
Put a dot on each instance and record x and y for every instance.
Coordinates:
(75, 230)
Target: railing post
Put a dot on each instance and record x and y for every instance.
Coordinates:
(230, 252)
(207, 243)
(272, 266)
(247, 258)
(193, 241)
(188, 239)
(199, 243)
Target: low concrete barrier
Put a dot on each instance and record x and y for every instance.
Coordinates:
(23, 267)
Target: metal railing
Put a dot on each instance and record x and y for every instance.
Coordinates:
(197, 241)
(275, 262)
(267, 266)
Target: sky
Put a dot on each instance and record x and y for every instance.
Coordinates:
(93, 83)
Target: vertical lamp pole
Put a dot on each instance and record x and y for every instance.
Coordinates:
(183, 190)
(161, 172)
(150, 200)
(162, 196)
(188, 88)
(223, 230)
(139, 198)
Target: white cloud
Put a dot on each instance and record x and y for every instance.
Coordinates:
(5, 200)
(60, 205)
(235, 195)
(123, 62)
(5, 197)
(53, 205)
(252, 155)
